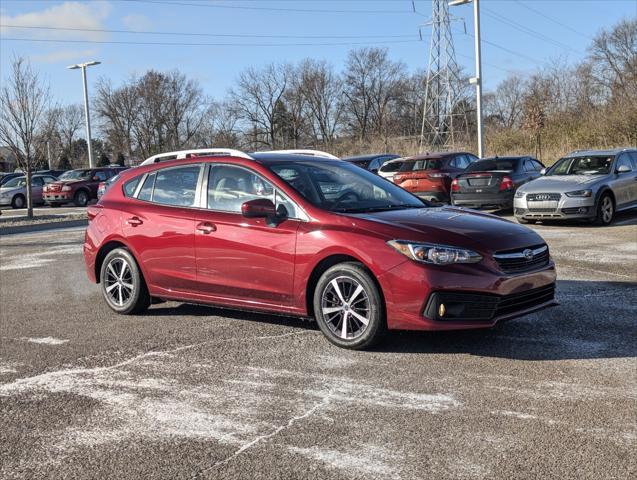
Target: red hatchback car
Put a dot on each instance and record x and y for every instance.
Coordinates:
(429, 175)
(308, 236)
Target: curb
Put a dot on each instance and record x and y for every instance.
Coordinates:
(43, 226)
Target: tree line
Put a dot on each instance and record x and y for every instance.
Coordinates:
(373, 103)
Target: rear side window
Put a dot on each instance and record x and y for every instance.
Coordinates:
(146, 193)
(131, 186)
(391, 167)
(176, 186)
(427, 164)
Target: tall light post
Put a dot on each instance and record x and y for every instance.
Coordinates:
(86, 111)
(477, 80)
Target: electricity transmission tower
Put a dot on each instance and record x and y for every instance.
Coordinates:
(444, 118)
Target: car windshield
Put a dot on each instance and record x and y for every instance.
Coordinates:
(343, 187)
(490, 165)
(594, 165)
(16, 182)
(425, 164)
(76, 175)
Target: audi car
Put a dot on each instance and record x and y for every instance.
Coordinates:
(585, 185)
(310, 237)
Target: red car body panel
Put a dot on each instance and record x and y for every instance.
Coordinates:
(246, 263)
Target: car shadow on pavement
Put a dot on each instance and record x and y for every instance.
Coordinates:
(593, 320)
(188, 309)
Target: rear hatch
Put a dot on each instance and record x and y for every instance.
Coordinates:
(422, 176)
(480, 182)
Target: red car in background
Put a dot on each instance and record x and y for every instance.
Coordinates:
(309, 236)
(78, 186)
(429, 175)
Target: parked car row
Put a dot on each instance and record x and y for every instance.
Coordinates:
(584, 185)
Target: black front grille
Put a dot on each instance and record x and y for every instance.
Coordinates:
(543, 197)
(475, 307)
(522, 259)
(542, 210)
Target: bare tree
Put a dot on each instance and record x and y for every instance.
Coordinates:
(507, 101)
(117, 109)
(24, 99)
(257, 95)
(322, 90)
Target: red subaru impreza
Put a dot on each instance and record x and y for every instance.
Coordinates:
(310, 236)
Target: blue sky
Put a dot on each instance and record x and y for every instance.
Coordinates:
(522, 35)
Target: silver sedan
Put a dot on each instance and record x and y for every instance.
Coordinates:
(14, 192)
(589, 185)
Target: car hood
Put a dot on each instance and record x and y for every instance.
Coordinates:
(456, 227)
(10, 189)
(558, 183)
(67, 182)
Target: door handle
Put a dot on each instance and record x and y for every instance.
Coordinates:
(134, 221)
(206, 228)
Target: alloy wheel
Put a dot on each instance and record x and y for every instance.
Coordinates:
(118, 282)
(346, 307)
(607, 209)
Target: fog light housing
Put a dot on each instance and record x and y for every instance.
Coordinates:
(441, 310)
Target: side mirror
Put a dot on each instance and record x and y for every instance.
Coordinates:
(258, 208)
(543, 171)
(623, 169)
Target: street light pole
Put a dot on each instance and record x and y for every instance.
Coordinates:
(477, 80)
(87, 115)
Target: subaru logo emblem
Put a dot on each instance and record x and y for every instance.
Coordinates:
(528, 254)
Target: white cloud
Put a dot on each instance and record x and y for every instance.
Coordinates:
(65, 15)
(137, 22)
(71, 56)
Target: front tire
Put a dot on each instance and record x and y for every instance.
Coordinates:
(81, 199)
(605, 210)
(123, 285)
(348, 307)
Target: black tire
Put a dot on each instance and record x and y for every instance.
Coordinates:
(604, 210)
(81, 198)
(54, 205)
(18, 201)
(118, 296)
(368, 301)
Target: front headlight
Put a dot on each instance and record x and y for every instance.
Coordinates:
(580, 193)
(66, 188)
(519, 194)
(434, 254)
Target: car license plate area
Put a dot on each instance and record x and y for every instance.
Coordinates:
(543, 206)
(478, 182)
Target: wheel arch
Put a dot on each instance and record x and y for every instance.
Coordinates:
(108, 247)
(323, 265)
(602, 191)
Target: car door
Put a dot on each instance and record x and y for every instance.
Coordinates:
(245, 261)
(623, 183)
(159, 226)
(632, 192)
(36, 189)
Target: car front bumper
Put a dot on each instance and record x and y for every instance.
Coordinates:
(5, 201)
(566, 208)
(479, 200)
(57, 197)
(411, 289)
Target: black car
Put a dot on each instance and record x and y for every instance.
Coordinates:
(371, 162)
(492, 182)
(9, 176)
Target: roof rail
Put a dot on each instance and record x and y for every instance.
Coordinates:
(200, 152)
(312, 153)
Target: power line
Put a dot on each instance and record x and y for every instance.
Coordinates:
(557, 22)
(525, 29)
(272, 9)
(122, 42)
(505, 49)
(199, 34)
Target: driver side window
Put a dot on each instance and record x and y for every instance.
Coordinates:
(229, 187)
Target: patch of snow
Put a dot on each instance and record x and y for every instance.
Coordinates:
(45, 340)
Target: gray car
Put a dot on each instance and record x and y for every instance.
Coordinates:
(14, 192)
(585, 185)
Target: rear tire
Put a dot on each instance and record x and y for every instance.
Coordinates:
(348, 307)
(605, 210)
(123, 285)
(81, 199)
(18, 201)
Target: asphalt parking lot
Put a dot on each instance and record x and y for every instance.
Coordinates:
(197, 392)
